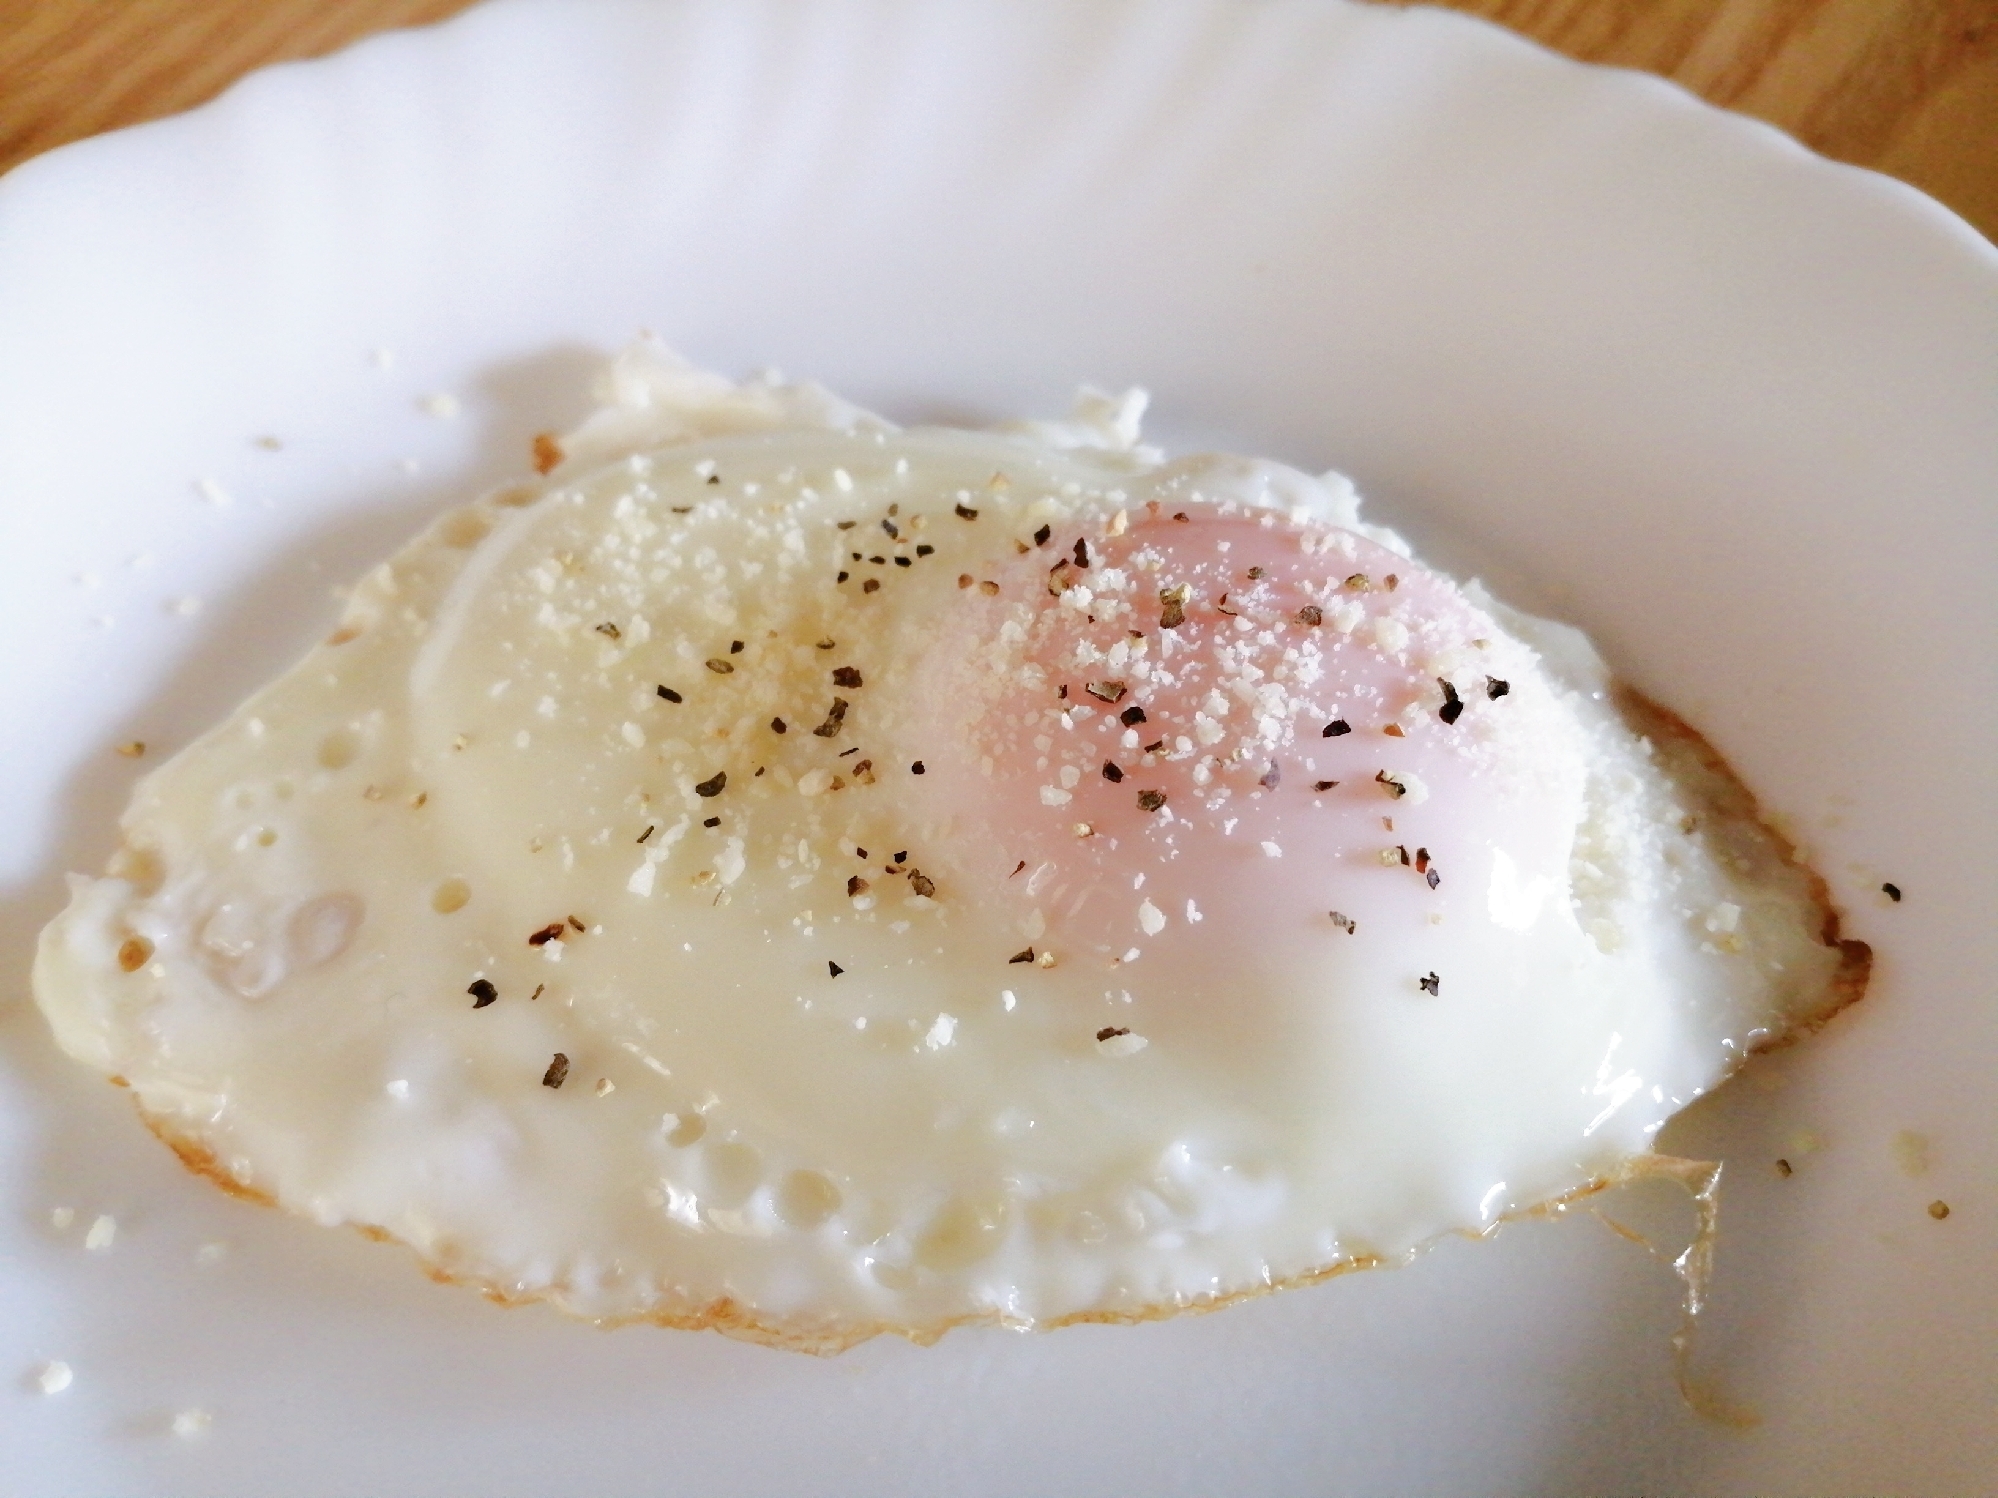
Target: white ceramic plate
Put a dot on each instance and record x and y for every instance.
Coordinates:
(1642, 364)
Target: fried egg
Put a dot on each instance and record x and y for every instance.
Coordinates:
(792, 875)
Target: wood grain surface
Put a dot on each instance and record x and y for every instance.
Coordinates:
(1908, 87)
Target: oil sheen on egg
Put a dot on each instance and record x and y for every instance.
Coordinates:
(792, 875)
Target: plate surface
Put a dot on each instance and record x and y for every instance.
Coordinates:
(1645, 366)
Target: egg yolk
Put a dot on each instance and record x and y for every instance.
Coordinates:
(1203, 731)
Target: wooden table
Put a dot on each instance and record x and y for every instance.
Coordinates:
(1908, 87)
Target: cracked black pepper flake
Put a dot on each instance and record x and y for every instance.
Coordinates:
(903, 562)
(539, 990)
(1111, 1032)
(711, 821)
(1272, 777)
(965, 512)
(894, 534)
(1345, 922)
(670, 695)
(1227, 608)
(1255, 573)
(1172, 612)
(871, 585)
(878, 561)
(1311, 616)
(847, 525)
(735, 647)
(649, 830)
(1402, 849)
(1026, 955)
(547, 934)
(1335, 728)
(778, 725)
(1453, 705)
(1155, 747)
(924, 549)
(863, 773)
(834, 969)
(557, 1073)
(845, 752)
(921, 883)
(835, 716)
(576, 923)
(846, 676)
(1081, 551)
(1105, 691)
(855, 885)
(1421, 860)
(902, 857)
(611, 630)
(1151, 800)
(1430, 984)
(720, 667)
(714, 478)
(1017, 867)
(1043, 535)
(1323, 785)
(1892, 892)
(1182, 517)
(916, 768)
(482, 992)
(714, 786)
(843, 577)
(1130, 717)
(1111, 773)
(1495, 689)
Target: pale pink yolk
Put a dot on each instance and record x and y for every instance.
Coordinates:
(1216, 734)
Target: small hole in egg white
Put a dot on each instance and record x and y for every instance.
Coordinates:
(805, 1198)
(339, 748)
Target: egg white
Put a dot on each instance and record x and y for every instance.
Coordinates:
(432, 935)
